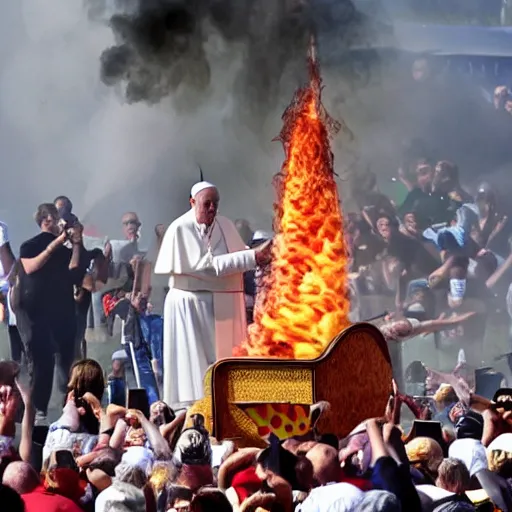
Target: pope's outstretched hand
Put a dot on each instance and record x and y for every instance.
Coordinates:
(263, 253)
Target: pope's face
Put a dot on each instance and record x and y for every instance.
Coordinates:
(206, 204)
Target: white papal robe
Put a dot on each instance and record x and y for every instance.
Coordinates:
(204, 311)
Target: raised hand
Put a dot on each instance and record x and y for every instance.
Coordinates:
(134, 416)
(263, 253)
(61, 239)
(160, 231)
(76, 233)
(94, 403)
(116, 411)
(8, 402)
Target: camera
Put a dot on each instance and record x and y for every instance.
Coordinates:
(68, 220)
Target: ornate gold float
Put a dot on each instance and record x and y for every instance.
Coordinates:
(354, 375)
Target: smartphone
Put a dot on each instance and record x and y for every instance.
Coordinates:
(432, 429)
(64, 460)
(138, 399)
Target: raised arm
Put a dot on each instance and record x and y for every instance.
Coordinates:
(25, 447)
(33, 263)
(227, 264)
(499, 273)
(96, 279)
(236, 262)
(173, 259)
(440, 324)
(158, 444)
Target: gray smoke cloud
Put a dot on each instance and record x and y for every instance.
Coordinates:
(116, 103)
(164, 45)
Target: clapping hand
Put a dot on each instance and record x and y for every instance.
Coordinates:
(134, 417)
(8, 402)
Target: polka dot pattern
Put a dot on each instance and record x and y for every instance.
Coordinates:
(282, 420)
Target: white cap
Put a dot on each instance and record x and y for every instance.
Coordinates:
(200, 186)
(502, 443)
(137, 456)
(471, 452)
(121, 494)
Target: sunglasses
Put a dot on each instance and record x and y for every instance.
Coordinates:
(505, 403)
(502, 399)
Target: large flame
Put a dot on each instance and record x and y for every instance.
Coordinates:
(306, 300)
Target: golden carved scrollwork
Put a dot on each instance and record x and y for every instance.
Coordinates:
(354, 374)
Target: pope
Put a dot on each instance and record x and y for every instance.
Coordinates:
(204, 311)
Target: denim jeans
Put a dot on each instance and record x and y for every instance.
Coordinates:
(455, 238)
(141, 361)
(152, 327)
(116, 390)
(138, 331)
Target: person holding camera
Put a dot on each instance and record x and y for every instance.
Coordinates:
(95, 277)
(52, 264)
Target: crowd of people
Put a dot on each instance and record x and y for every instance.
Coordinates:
(441, 258)
(438, 252)
(156, 459)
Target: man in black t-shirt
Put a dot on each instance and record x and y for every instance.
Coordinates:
(52, 262)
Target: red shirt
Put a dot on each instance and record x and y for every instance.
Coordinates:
(246, 483)
(360, 483)
(40, 499)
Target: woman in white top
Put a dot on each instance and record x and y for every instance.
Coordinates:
(7, 274)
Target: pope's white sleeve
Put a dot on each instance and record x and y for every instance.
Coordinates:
(231, 263)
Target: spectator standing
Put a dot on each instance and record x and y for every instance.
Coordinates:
(45, 303)
(96, 276)
(7, 269)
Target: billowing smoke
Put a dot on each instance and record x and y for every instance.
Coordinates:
(164, 47)
(115, 103)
